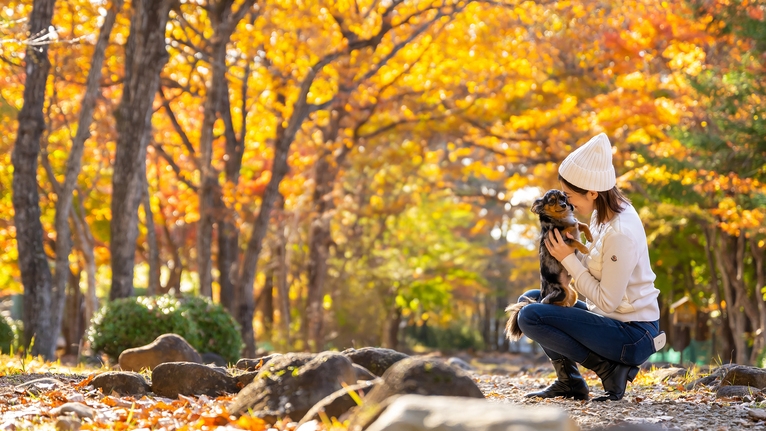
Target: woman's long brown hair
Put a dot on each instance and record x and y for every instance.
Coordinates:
(606, 202)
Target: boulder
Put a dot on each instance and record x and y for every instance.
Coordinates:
(432, 413)
(738, 391)
(188, 378)
(416, 376)
(122, 382)
(214, 358)
(290, 385)
(165, 348)
(377, 360)
(744, 375)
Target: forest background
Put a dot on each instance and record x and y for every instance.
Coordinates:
(351, 173)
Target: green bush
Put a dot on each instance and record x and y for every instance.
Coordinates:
(217, 331)
(136, 321)
(457, 336)
(7, 335)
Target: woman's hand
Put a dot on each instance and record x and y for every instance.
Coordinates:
(556, 245)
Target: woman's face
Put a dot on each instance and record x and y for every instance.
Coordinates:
(583, 204)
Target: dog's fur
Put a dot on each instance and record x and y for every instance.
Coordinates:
(555, 212)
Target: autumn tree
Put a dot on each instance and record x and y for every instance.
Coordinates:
(40, 295)
(145, 56)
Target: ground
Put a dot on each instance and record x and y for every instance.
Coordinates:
(650, 400)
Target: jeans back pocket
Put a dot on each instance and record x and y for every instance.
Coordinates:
(638, 352)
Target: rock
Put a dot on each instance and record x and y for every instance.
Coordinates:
(377, 360)
(291, 384)
(669, 373)
(743, 375)
(38, 386)
(165, 348)
(255, 364)
(757, 414)
(363, 373)
(415, 376)
(710, 380)
(214, 358)
(425, 377)
(68, 423)
(80, 410)
(189, 378)
(340, 402)
(123, 382)
(424, 413)
(459, 363)
(737, 391)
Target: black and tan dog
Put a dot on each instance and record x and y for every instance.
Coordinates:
(555, 212)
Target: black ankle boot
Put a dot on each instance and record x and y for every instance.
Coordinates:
(569, 383)
(614, 375)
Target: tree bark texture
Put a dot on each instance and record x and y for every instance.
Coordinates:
(145, 56)
(726, 257)
(224, 21)
(153, 254)
(65, 191)
(33, 263)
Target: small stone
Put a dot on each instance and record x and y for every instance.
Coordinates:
(68, 423)
(81, 410)
(757, 414)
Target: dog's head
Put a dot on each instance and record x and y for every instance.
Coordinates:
(554, 204)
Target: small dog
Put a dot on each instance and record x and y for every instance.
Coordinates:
(555, 212)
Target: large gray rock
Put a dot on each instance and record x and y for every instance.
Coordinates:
(744, 375)
(435, 413)
(122, 382)
(415, 376)
(187, 378)
(165, 348)
(291, 384)
(377, 360)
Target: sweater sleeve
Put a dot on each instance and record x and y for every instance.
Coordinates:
(620, 259)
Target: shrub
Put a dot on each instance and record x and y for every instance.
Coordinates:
(217, 331)
(136, 321)
(457, 336)
(7, 335)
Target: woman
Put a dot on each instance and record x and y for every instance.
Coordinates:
(615, 330)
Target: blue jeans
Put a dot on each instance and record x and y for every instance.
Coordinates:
(573, 332)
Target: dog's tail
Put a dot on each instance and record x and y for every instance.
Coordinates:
(512, 330)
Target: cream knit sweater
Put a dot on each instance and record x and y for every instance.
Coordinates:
(616, 276)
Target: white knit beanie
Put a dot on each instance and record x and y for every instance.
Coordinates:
(590, 166)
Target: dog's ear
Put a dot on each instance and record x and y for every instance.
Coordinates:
(537, 206)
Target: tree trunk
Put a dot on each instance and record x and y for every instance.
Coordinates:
(33, 263)
(760, 278)
(726, 256)
(72, 325)
(151, 238)
(224, 22)
(727, 338)
(283, 288)
(145, 56)
(65, 191)
(391, 333)
(228, 233)
(85, 243)
(266, 300)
